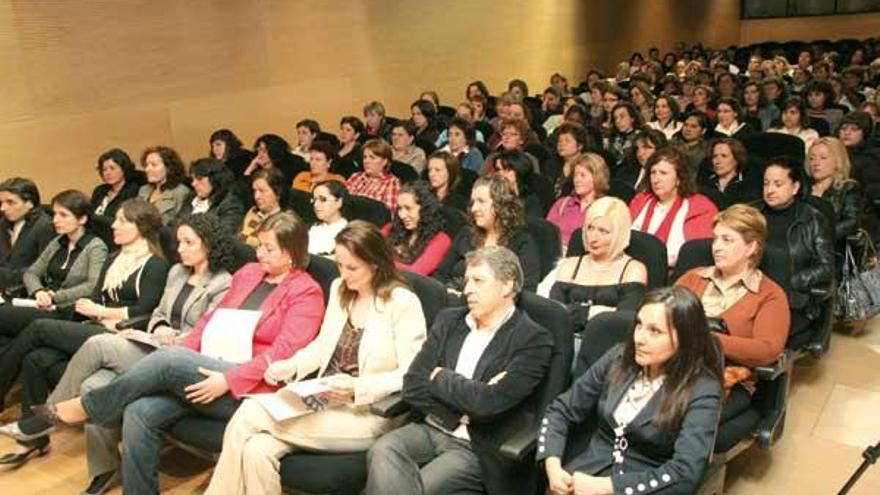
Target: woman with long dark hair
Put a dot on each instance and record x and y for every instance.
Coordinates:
(416, 234)
(656, 399)
(213, 192)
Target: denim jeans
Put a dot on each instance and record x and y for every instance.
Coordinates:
(147, 399)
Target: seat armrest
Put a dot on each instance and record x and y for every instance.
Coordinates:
(820, 292)
(137, 323)
(390, 406)
(775, 369)
(521, 445)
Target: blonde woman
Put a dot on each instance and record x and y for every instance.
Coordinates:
(604, 278)
(829, 169)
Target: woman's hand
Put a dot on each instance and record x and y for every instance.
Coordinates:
(209, 389)
(560, 480)
(165, 335)
(341, 387)
(252, 166)
(584, 484)
(88, 308)
(280, 371)
(43, 298)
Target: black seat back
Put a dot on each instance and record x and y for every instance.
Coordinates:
(404, 171)
(301, 204)
(766, 145)
(431, 294)
(557, 320)
(364, 208)
(454, 218)
(546, 237)
(324, 272)
(693, 254)
(242, 254)
(643, 247)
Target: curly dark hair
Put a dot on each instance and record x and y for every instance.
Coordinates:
(208, 228)
(431, 221)
(233, 144)
(176, 172)
(221, 178)
(119, 157)
(510, 216)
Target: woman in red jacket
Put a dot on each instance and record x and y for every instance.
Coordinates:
(178, 381)
(416, 233)
(670, 208)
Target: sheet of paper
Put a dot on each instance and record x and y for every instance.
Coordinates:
(229, 335)
(281, 405)
(141, 337)
(29, 303)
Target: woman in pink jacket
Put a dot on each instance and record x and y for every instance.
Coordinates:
(670, 208)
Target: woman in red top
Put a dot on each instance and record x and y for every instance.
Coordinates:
(669, 207)
(416, 233)
(178, 381)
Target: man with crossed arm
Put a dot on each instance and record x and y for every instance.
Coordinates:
(473, 383)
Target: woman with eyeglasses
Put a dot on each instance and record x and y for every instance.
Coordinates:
(328, 200)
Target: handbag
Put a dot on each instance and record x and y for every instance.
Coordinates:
(858, 294)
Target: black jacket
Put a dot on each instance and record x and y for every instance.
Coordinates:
(35, 235)
(451, 269)
(811, 255)
(847, 205)
(129, 190)
(522, 349)
(229, 210)
(653, 460)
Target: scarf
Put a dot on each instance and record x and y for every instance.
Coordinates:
(130, 259)
(666, 225)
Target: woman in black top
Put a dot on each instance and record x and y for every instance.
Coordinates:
(120, 183)
(25, 230)
(829, 168)
(444, 176)
(213, 192)
(272, 151)
(226, 147)
(799, 252)
(605, 278)
(496, 219)
(351, 156)
(67, 269)
(514, 166)
(728, 175)
(424, 116)
(130, 285)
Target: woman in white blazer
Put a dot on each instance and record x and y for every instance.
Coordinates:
(373, 327)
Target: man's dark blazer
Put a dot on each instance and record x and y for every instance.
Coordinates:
(522, 349)
(35, 235)
(655, 460)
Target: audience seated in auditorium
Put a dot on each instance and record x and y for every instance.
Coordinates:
(270, 192)
(604, 278)
(372, 330)
(176, 381)
(118, 183)
(272, 151)
(667, 116)
(471, 382)
(130, 285)
(514, 166)
(321, 156)
(693, 141)
(26, 230)
(68, 268)
(417, 232)
(496, 219)
(461, 136)
(641, 443)
(376, 125)
(403, 134)
(194, 286)
(829, 169)
(794, 121)
(376, 181)
(214, 192)
(799, 253)
(669, 207)
(350, 154)
(307, 130)
(166, 176)
(226, 147)
(755, 105)
(631, 172)
(444, 177)
(328, 200)
(589, 182)
(746, 308)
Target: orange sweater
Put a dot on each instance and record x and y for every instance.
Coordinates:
(758, 323)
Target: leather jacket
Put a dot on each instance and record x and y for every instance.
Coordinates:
(811, 253)
(847, 205)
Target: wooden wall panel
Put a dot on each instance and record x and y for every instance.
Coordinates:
(857, 26)
(80, 77)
